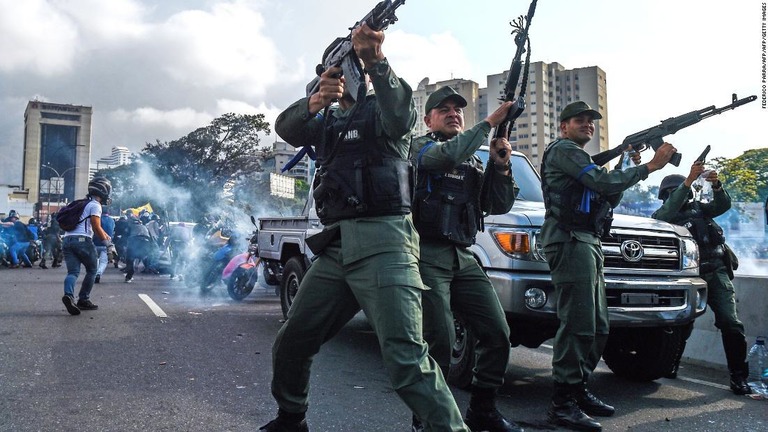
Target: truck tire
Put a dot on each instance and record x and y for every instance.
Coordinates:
(644, 354)
(462, 356)
(293, 273)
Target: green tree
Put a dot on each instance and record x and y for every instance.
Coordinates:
(746, 176)
(203, 161)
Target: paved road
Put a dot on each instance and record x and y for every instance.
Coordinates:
(206, 367)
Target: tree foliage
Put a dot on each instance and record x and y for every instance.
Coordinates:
(203, 161)
(746, 176)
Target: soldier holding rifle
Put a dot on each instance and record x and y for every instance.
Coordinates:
(368, 251)
(579, 197)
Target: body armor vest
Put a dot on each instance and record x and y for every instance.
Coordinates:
(569, 206)
(707, 233)
(447, 204)
(357, 176)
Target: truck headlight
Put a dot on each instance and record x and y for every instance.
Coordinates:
(535, 298)
(518, 244)
(690, 254)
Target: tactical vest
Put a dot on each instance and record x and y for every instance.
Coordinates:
(357, 176)
(707, 233)
(568, 205)
(447, 204)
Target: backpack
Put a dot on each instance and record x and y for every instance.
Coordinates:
(69, 217)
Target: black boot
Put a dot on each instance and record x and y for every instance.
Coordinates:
(739, 376)
(482, 414)
(564, 411)
(286, 422)
(416, 425)
(590, 404)
(735, 347)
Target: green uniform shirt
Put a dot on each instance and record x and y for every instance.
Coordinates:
(678, 198)
(443, 157)
(395, 118)
(565, 162)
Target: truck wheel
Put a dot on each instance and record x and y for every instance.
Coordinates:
(462, 356)
(644, 354)
(293, 273)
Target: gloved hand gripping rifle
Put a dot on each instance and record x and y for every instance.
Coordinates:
(520, 28)
(654, 137)
(341, 53)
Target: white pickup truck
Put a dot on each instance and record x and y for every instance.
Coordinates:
(651, 271)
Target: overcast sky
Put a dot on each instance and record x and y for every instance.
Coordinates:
(160, 69)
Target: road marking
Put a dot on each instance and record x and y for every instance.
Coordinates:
(153, 306)
(682, 378)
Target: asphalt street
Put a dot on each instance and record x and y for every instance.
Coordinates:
(158, 356)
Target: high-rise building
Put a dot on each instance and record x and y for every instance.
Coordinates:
(119, 156)
(283, 153)
(57, 148)
(550, 88)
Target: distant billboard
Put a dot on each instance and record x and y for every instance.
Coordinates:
(282, 186)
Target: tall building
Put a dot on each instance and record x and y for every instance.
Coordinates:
(57, 148)
(119, 156)
(283, 153)
(469, 90)
(550, 88)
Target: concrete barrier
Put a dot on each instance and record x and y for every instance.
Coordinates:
(706, 346)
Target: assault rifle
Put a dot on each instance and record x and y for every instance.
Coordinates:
(520, 28)
(654, 137)
(341, 53)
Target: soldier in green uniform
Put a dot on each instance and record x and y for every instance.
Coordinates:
(579, 197)
(716, 266)
(367, 253)
(452, 192)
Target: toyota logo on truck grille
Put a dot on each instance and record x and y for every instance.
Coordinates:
(632, 250)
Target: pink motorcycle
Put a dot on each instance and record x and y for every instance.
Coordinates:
(241, 273)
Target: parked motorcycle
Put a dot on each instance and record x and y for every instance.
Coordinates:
(241, 274)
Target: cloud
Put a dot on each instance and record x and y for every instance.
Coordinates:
(438, 56)
(221, 48)
(182, 119)
(36, 38)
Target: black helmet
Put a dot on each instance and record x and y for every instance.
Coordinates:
(670, 183)
(100, 187)
(32, 221)
(13, 213)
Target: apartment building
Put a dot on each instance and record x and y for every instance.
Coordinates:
(550, 88)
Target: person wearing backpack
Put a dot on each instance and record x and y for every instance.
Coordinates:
(78, 243)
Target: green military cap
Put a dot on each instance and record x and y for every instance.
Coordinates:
(576, 108)
(440, 95)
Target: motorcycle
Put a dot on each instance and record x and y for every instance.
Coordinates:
(220, 253)
(241, 273)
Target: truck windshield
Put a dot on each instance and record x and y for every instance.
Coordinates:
(526, 177)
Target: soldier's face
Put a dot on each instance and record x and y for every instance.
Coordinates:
(447, 119)
(578, 129)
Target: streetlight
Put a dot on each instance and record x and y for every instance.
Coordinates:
(59, 182)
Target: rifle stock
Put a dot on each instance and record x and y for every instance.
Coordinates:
(654, 136)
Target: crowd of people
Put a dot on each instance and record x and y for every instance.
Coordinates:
(24, 244)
